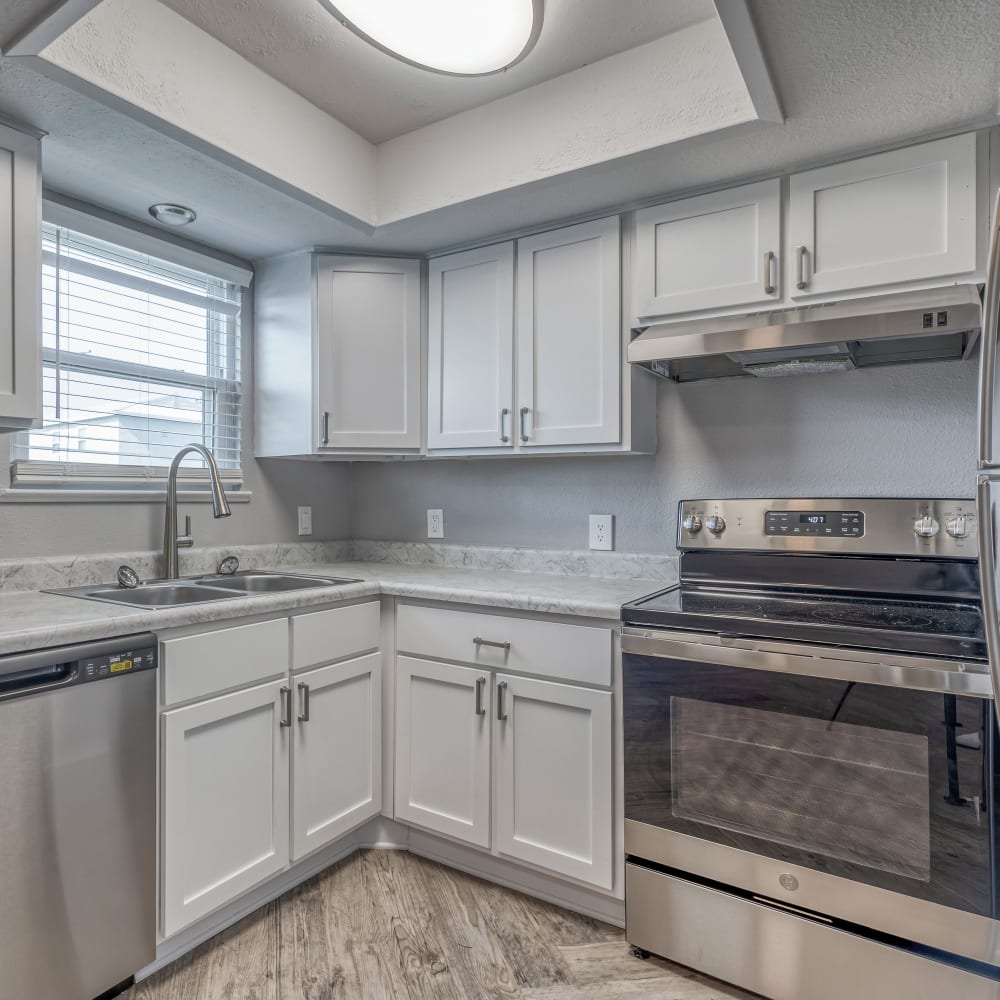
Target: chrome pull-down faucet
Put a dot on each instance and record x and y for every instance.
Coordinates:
(172, 542)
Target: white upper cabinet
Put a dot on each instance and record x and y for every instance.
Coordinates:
(902, 216)
(337, 751)
(337, 356)
(368, 353)
(711, 252)
(470, 366)
(569, 336)
(20, 280)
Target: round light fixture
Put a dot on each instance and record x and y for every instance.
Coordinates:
(172, 215)
(456, 37)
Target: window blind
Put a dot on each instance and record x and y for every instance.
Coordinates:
(139, 357)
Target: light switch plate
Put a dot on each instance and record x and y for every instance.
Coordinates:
(435, 524)
(602, 531)
(305, 520)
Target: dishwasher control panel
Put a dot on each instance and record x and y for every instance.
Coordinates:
(121, 660)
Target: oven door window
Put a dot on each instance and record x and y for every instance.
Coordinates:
(878, 784)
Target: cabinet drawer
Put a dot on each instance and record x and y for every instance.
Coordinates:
(570, 652)
(197, 666)
(324, 636)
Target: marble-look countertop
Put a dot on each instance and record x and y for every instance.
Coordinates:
(35, 620)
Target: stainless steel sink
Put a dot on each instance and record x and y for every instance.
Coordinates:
(152, 595)
(251, 582)
(202, 589)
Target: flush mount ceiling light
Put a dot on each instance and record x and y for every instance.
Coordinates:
(456, 37)
(172, 215)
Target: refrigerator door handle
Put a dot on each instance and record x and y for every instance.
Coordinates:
(988, 574)
(988, 349)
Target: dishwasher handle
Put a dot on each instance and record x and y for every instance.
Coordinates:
(35, 678)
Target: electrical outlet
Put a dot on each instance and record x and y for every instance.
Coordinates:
(435, 524)
(305, 520)
(602, 531)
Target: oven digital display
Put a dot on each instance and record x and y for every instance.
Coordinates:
(825, 523)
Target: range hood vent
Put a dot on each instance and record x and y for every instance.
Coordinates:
(936, 325)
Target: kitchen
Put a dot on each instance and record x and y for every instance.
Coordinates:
(389, 732)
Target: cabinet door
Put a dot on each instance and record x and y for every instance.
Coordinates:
(20, 280)
(367, 353)
(225, 801)
(710, 252)
(337, 759)
(471, 349)
(443, 748)
(901, 216)
(554, 786)
(569, 336)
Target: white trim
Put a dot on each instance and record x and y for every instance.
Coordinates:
(126, 233)
(738, 25)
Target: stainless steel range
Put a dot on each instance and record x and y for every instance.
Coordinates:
(811, 767)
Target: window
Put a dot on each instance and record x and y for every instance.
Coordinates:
(140, 357)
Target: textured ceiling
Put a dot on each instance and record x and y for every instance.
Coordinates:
(16, 16)
(852, 76)
(300, 44)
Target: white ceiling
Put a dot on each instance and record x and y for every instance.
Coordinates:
(301, 45)
(852, 76)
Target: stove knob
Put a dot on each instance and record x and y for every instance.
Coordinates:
(926, 526)
(957, 526)
(692, 523)
(716, 524)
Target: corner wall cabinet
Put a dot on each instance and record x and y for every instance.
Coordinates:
(20, 280)
(338, 344)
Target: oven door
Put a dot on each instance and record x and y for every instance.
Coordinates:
(818, 778)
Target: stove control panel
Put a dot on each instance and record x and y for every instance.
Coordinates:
(944, 529)
(826, 523)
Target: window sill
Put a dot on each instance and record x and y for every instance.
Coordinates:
(22, 495)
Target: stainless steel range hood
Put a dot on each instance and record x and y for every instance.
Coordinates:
(935, 325)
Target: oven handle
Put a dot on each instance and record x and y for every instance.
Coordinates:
(830, 663)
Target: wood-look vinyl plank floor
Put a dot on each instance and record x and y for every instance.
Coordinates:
(387, 925)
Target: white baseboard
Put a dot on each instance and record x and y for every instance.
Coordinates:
(382, 833)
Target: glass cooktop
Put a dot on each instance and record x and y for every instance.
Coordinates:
(930, 628)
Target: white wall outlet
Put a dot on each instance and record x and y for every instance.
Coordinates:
(602, 531)
(305, 520)
(435, 524)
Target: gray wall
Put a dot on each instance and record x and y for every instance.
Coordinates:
(899, 431)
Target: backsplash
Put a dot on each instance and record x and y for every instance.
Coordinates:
(57, 572)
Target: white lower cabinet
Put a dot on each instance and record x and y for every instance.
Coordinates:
(553, 777)
(443, 748)
(337, 756)
(225, 801)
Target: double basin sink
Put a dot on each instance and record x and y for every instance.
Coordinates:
(202, 589)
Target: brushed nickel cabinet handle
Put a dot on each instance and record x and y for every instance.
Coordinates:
(769, 286)
(800, 257)
(501, 691)
(503, 422)
(286, 707)
(326, 427)
(480, 641)
(524, 413)
(480, 707)
(303, 702)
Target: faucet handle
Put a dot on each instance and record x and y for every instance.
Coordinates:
(186, 540)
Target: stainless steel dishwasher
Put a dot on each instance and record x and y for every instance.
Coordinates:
(77, 818)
